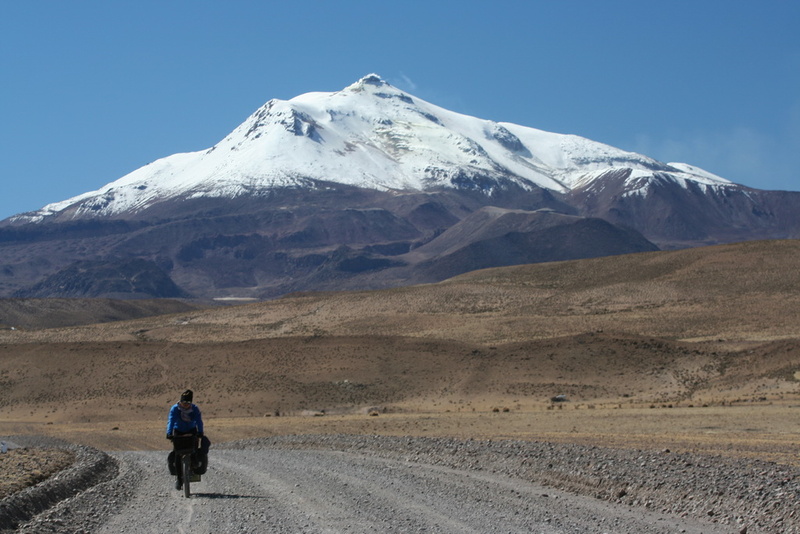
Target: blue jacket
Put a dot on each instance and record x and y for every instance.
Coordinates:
(192, 421)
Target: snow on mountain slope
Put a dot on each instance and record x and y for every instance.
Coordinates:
(370, 135)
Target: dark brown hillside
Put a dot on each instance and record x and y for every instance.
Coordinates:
(52, 313)
(740, 293)
(115, 278)
(674, 216)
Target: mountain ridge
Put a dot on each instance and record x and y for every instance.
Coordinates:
(370, 187)
(370, 135)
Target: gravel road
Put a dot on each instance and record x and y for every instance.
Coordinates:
(327, 491)
(356, 484)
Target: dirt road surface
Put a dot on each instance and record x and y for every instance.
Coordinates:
(353, 484)
(306, 491)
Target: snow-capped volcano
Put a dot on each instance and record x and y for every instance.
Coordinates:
(370, 135)
(370, 187)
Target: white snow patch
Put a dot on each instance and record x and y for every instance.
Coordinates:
(371, 135)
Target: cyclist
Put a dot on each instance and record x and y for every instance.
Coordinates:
(185, 418)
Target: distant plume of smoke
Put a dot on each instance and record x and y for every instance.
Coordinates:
(407, 83)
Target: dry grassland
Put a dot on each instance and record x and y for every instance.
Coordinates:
(689, 350)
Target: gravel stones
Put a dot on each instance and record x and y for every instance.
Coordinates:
(24, 467)
(745, 495)
(90, 468)
(762, 496)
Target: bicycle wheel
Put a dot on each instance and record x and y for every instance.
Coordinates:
(187, 474)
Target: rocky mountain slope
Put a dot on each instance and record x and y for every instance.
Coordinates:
(370, 187)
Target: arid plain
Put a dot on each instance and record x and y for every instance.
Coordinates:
(695, 350)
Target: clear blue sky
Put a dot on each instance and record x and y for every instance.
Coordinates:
(92, 90)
